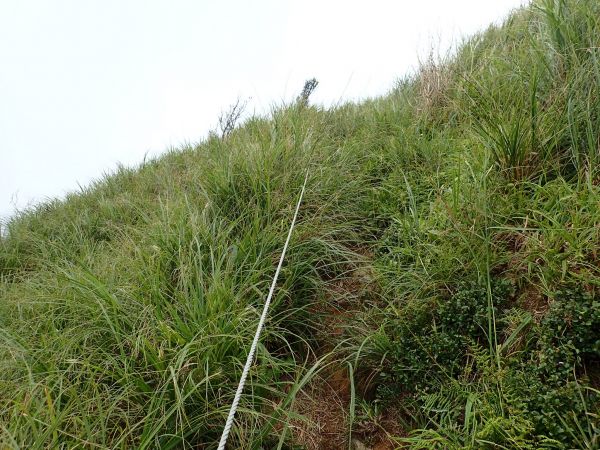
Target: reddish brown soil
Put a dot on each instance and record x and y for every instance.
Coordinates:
(324, 403)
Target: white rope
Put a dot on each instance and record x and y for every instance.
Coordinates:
(261, 322)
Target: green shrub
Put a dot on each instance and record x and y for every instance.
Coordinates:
(552, 382)
(431, 343)
(570, 330)
(468, 311)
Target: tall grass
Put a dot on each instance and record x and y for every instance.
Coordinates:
(456, 217)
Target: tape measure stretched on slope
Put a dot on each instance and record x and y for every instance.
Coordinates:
(261, 322)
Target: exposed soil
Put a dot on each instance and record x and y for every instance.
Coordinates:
(324, 403)
(534, 301)
(324, 409)
(324, 406)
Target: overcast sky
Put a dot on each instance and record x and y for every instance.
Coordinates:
(87, 84)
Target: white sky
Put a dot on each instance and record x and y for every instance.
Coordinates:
(86, 84)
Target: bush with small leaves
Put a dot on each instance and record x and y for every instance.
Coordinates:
(427, 343)
(553, 383)
(570, 334)
(468, 311)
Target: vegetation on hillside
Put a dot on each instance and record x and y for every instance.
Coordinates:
(446, 263)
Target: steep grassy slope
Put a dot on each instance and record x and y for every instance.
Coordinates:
(457, 219)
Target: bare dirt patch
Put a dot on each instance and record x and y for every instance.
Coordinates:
(324, 403)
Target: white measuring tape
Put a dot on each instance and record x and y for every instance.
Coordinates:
(261, 322)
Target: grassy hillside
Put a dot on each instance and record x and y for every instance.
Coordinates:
(441, 289)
